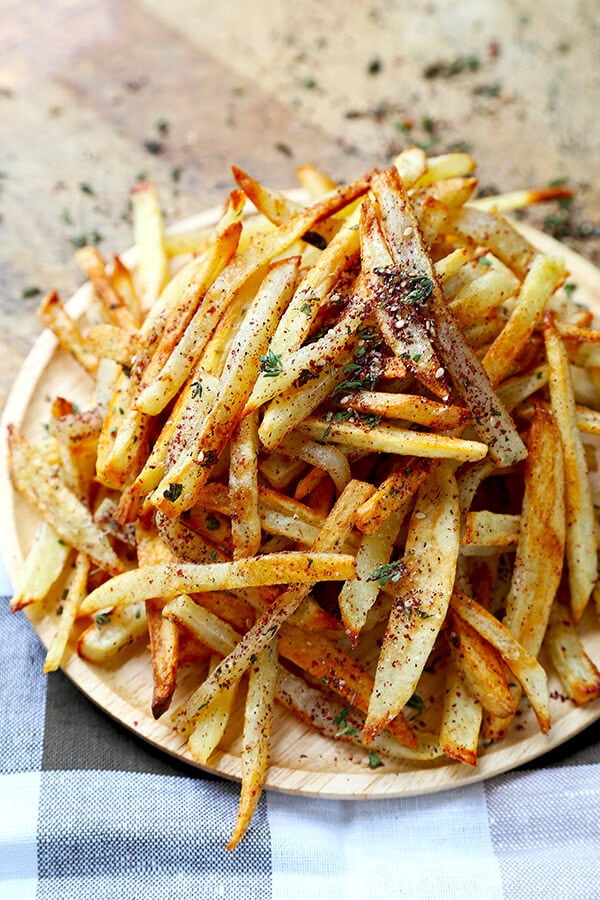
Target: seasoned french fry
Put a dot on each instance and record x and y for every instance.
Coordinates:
(422, 596)
(243, 488)
(581, 540)
(256, 737)
(461, 721)
(43, 566)
(72, 521)
(54, 316)
(169, 579)
(69, 608)
(524, 667)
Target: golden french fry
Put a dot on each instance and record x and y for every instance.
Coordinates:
(112, 631)
(576, 670)
(256, 737)
(54, 316)
(461, 720)
(524, 667)
(148, 226)
(243, 488)
(426, 577)
(42, 568)
(581, 540)
(43, 487)
(169, 579)
(69, 608)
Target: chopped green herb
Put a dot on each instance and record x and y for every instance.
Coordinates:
(570, 289)
(29, 292)
(415, 702)
(153, 146)
(101, 620)
(374, 761)
(388, 572)
(271, 364)
(162, 126)
(212, 555)
(212, 523)
(86, 188)
(196, 389)
(173, 492)
(306, 308)
(467, 63)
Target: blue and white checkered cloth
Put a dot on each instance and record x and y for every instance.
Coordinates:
(88, 811)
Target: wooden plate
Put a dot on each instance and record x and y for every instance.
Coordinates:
(301, 760)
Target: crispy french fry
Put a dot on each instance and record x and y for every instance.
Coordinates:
(152, 268)
(581, 540)
(170, 579)
(576, 670)
(524, 667)
(72, 521)
(243, 488)
(69, 608)
(423, 593)
(43, 565)
(54, 316)
(256, 737)
(461, 720)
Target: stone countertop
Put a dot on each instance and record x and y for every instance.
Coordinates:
(96, 96)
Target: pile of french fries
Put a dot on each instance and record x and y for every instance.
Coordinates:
(332, 449)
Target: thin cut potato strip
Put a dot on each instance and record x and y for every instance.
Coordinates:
(524, 667)
(422, 598)
(169, 579)
(334, 453)
(581, 540)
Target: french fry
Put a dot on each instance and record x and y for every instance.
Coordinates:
(243, 488)
(148, 226)
(391, 439)
(577, 672)
(422, 596)
(359, 594)
(480, 668)
(42, 568)
(54, 316)
(581, 540)
(461, 721)
(117, 310)
(544, 276)
(485, 529)
(112, 631)
(540, 552)
(212, 722)
(524, 667)
(170, 579)
(409, 407)
(256, 737)
(72, 521)
(69, 608)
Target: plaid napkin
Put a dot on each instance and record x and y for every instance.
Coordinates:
(89, 811)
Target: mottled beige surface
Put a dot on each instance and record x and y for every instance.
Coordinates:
(270, 85)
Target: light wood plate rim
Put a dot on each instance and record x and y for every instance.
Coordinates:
(332, 770)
